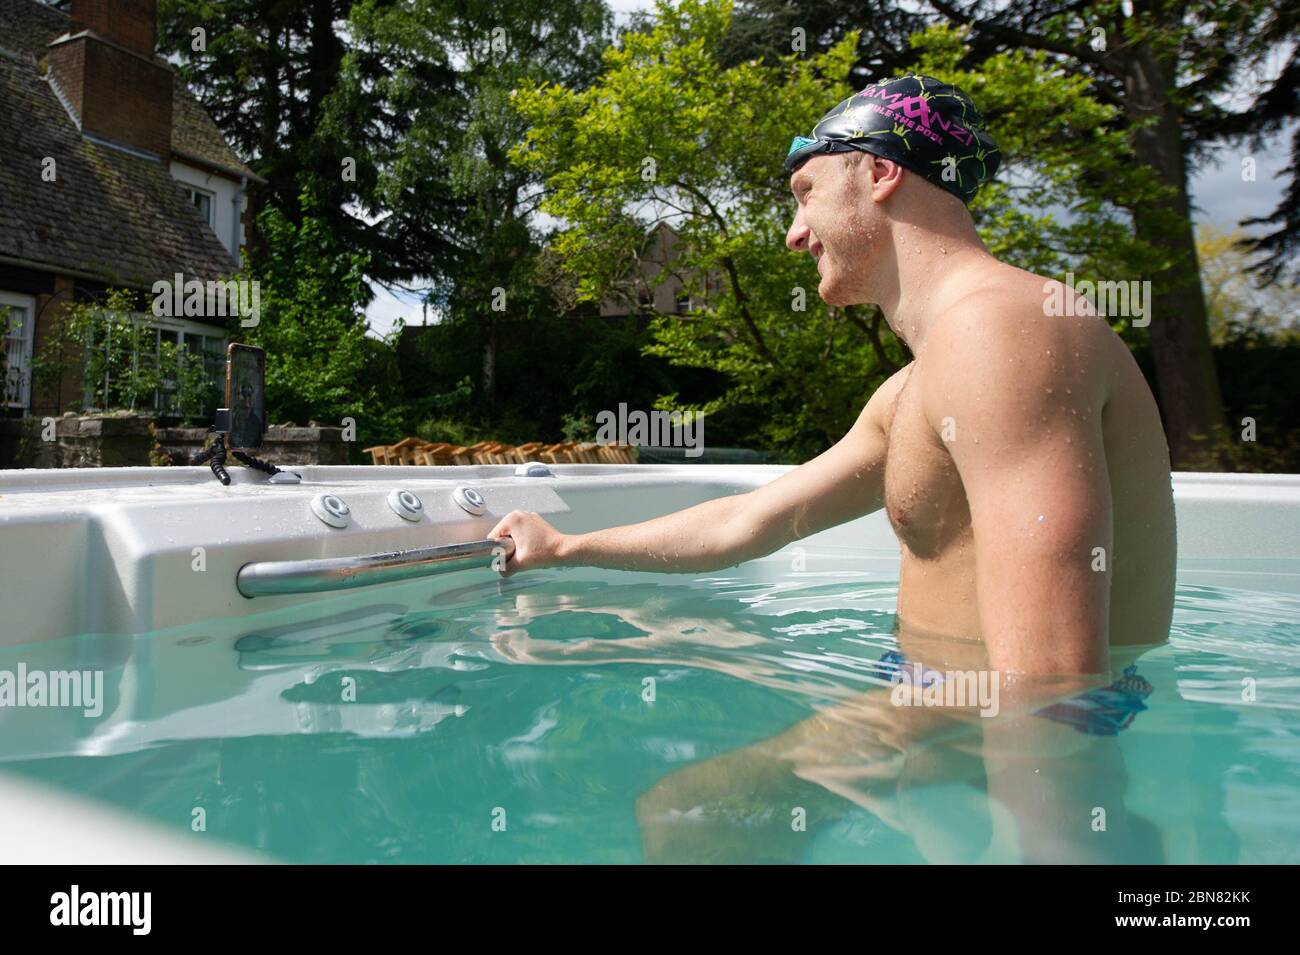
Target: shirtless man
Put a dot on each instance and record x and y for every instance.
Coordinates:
(1020, 456)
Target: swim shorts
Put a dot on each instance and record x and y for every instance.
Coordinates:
(1104, 711)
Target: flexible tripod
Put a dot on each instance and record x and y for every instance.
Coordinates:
(214, 455)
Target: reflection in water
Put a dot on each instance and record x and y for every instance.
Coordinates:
(626, 717)
(1040, 773)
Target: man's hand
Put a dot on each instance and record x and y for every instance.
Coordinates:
(537, 543)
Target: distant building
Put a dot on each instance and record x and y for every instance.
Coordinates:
(111, 175)
(657, 285)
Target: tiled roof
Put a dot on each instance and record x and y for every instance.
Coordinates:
(109, 212)
(195, 136)
(29, 27)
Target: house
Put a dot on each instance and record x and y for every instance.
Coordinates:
(111, 176)
(656, 283)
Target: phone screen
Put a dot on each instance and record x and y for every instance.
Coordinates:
(246, 396)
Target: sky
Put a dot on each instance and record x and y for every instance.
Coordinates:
(1220, 196)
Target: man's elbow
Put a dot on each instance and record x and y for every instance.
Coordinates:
(747, 536)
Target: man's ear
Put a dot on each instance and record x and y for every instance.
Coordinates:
(886, 176)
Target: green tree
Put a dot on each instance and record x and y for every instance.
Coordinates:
(669, 134)
(666, 132)
(1165, 67)
(447, 69)
(320, 363)
(770, 29)
(268, 72)
(1237, 304)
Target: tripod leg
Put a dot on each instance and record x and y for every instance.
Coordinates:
(216, 454)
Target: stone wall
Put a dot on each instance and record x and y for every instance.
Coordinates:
(108, 441)
(93, 441)
(281, 445)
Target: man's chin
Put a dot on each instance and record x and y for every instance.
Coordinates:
(832, 294)
(836, 296)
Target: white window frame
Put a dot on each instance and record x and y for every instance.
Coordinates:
(212, 203)
(11, 300)
(184, 330)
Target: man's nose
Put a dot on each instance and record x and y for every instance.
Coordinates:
(796, 239)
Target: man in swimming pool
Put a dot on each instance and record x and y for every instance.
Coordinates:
(1020, 457)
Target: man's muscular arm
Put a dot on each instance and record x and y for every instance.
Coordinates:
(844, 482)
(1027, 441)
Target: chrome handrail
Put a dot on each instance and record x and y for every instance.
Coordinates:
(264, 578)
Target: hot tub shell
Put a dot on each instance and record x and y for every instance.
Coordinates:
(134, 550)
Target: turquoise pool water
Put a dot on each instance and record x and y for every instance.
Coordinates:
(585, 716)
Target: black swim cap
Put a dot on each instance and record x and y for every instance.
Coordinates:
(923, 124)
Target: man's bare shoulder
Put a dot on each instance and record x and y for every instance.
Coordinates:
(1003, 296)
(1001, 343)
(1013, 315)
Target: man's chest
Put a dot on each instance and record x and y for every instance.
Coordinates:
(924, 497)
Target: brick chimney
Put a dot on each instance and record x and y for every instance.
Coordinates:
(106, 69)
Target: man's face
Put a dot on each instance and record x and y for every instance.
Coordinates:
(838, 225)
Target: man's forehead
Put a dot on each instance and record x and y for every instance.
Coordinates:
(807, 171)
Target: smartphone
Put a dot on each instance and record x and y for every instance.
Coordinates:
(245, 397)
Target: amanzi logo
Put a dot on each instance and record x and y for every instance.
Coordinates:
(915, 113)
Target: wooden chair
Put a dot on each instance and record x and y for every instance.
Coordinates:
(434, 454)
(403, 452)
(415, 451)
